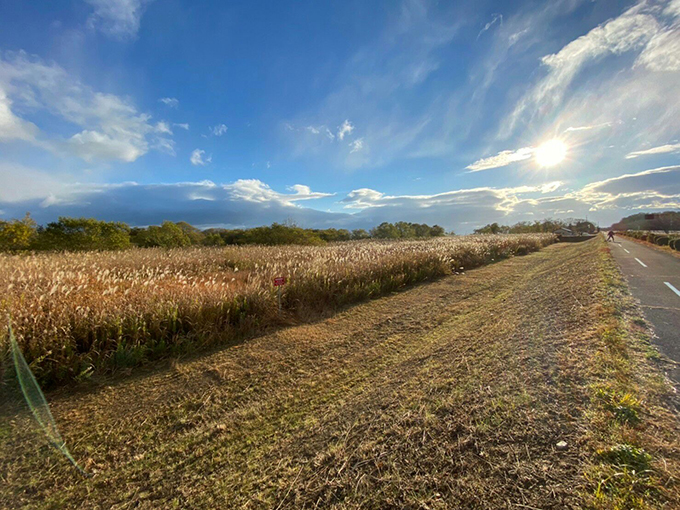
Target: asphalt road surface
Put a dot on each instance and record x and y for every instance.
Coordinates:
(654, 280)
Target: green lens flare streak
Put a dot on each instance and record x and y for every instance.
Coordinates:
(37, 403)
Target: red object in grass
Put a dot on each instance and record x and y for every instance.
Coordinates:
(279, 280)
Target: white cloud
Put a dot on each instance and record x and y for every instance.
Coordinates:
(11, 126)
(219, 130)
(345, 129)
(503, 158)
(111, 128)
(117, 18)
(663, 51)
(93, 145)
(19, 183)
(182, 126)
(663, 149)
(356, 145)
(165, 145)
(169, 101)
(632, 30)
(476, 206)
(494, 18)
(250, 202)
(196, 158)
(163, 127)
(244, 203)
(571, 129)
(658, 188)
(313, 130)
(673, 8)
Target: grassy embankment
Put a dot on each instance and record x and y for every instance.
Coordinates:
(453, 394)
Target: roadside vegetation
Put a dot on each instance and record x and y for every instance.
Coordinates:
(543, 226)
(633, 413)
(79, 315)
(670, 240)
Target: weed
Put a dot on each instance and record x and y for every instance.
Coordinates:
(627, 456)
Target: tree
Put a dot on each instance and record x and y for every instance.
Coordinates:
(17, 234)
(360, 233)
(405, 230)
(493, 228)
(437, 231)
(195, 236)
(78, 234)
(385, 231)
(168, 235)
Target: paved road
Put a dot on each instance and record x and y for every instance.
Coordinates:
(654, 279)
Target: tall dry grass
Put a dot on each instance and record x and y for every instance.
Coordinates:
(79, 313)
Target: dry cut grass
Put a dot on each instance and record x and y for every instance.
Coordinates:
(79, 313)
(449, 395)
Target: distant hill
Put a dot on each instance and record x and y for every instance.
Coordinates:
(666, 221)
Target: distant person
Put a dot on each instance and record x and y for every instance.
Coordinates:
(610, 236)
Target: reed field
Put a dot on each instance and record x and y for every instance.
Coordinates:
(79, 314)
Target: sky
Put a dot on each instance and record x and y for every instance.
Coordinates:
(339, 114)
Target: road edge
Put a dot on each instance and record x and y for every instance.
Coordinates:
(634, 408)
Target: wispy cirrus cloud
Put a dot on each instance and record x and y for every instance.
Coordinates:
(503, 158)
(495, 18)
(574, 129)
(117, 18)
(644, 29)
(218, 130)
(356, 145)
(374, 85)
(172, 102)
(662, 149)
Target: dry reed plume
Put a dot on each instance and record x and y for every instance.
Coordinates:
(79, 313)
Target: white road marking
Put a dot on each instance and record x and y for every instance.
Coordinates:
(641, 263)
(625, 250)
(672, 288)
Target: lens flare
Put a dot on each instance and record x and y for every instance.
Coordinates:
(551, 152)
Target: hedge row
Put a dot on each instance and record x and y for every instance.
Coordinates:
(672, 240)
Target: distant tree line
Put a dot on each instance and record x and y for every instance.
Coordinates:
(666, 221)
(549, 225)
(80, 234)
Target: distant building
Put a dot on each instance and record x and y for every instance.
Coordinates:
(563, 232)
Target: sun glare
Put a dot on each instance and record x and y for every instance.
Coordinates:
(551, 152)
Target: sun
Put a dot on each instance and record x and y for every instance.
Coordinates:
(551, 152)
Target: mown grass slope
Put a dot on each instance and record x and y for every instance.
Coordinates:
(452, 394)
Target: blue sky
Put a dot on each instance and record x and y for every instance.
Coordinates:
(338, 114)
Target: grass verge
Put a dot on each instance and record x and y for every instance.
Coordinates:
(633, 413)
